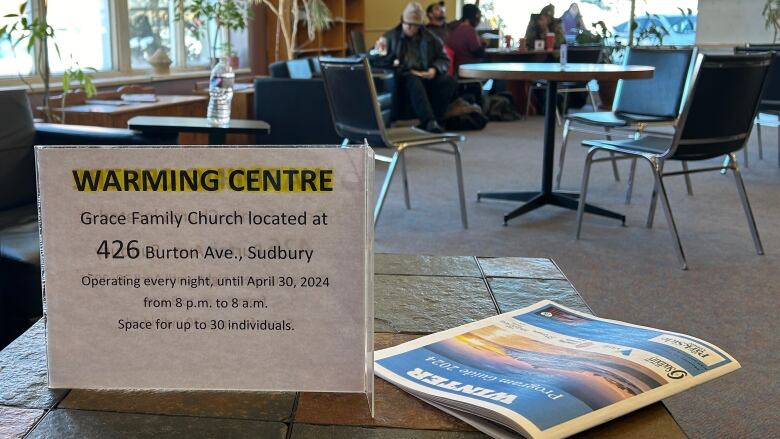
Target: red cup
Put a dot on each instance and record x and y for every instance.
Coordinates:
(549, 42)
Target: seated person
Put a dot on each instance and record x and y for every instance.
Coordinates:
(572, 22)
(420, 65)
(541, 24)
(464, 40)
(437, 20)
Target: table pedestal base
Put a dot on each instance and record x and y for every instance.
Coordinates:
(535, 200)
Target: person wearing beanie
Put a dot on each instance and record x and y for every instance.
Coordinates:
(420, 64)
(541, 24)
(437, 20)
(464, 40)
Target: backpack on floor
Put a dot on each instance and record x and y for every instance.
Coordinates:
(499, 107)
(462, 115)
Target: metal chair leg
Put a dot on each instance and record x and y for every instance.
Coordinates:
(760, 142)
(659, 183)
(746, 204)
(745, 154)
(562, 156)
(630, 186)
(592, 96)
(725, 167)
(654, 197)
(402, 160)
(380, 202)
(688, 185)
(527, 100)
(461, 192)
(778, 145)
(564, 109)
(612, 154)
(584, 191)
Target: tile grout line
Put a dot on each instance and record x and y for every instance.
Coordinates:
(36, 423)
(294, 411)
(487, 285)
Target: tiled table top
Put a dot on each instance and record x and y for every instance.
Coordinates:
(414, 295)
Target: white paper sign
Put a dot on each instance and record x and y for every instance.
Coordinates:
(198, 268)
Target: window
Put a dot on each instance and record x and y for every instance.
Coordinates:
(86, 35)
(670, 24)
(678, 27)
(83, 34)
(150, 23)
(13, 61)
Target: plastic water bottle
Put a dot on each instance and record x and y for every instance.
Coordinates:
(564, 54)
(220, 93)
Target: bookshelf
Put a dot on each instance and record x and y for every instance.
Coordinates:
(348, 16)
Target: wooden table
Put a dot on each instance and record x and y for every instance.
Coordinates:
(553, 73)
(457, 290)
(116, 116)
(158, 126)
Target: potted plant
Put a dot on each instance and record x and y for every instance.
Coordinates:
(227, 16)
(612, 54)
(36, 31)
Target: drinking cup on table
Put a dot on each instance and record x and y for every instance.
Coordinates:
(550, 41)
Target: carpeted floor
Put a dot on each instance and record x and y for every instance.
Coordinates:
(729, 296)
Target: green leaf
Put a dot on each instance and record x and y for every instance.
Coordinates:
(22, 7)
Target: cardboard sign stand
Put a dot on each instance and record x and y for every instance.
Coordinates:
(195, 268)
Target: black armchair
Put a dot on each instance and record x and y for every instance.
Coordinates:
(20, 275)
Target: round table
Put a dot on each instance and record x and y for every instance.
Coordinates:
(553, 73)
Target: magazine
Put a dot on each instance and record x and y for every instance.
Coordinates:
(548, 371)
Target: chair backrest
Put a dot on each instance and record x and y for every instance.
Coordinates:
(299, 69)
(357, 42)
(770, 99)
(589, 53)
(314, 66)
(135, 89)
(720, 106)
(17, 158)
(278, 69)
(294, 68)
(661, 95)
(352, 99)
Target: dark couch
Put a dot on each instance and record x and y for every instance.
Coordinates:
(294, 103)
(20, 273)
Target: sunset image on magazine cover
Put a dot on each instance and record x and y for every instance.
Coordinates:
(597, 380)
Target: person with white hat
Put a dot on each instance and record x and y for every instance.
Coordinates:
(420, 63)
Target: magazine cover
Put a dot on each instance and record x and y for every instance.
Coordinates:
(547, 370)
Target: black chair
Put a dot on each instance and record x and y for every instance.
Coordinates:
(638, 105)
(357, 118)
(769, 107)
(20, 271)
(589, 54)
(296, 107)
(715, 120)
(357, 43)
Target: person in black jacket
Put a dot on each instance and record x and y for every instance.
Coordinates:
(420, 65)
